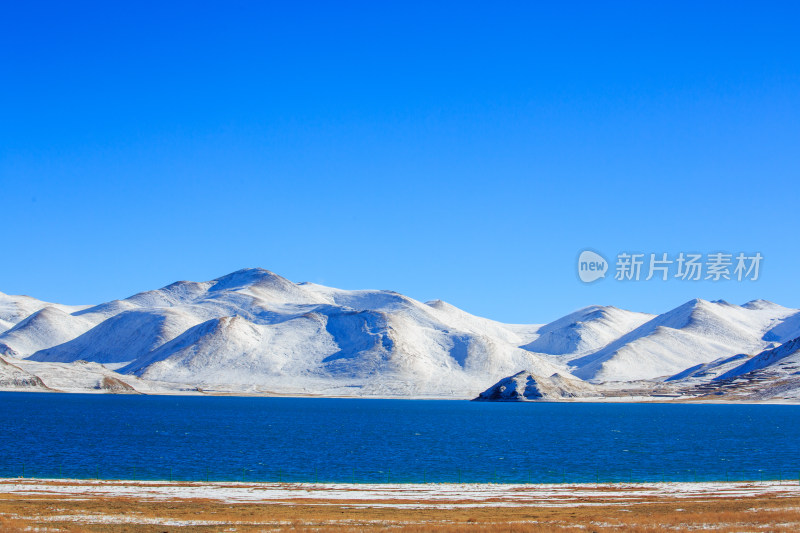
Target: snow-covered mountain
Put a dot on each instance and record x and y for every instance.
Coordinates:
(253, 328)
(255, 331)
(772, 375)
(43, 328)
(585, 331)
(696, 332)
(783, 360)
(14, 309)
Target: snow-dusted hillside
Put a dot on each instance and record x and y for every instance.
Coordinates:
(254, 328)
(14, 309)
(705, 372)
(694, 333)
(13, 377)
(526, 386)
(80, 376)
(783, 360)
(255, 331)
(772, 375)
(585, 331)
(42, 329)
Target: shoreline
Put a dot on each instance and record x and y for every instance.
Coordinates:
(447, 486)
(619, 400)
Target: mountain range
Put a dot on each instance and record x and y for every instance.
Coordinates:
(253, 331)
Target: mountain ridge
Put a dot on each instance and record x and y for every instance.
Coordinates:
(255, 330)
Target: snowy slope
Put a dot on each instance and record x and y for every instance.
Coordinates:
(13, 309)
(13, 377)
(378, 342)
(84, 377)
(254, 330)
(783, 359)
(786, 330)
(122, 338)
(42, 329)
(772, 375)
(705, 372)
(696, 332)
(585, 330)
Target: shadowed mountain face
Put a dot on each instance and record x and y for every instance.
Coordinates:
(253, 329)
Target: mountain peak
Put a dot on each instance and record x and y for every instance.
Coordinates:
(439, 304)
(248, 276)
(761, 304)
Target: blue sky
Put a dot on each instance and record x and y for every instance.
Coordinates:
(454, 150)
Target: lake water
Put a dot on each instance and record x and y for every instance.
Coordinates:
(314, 439)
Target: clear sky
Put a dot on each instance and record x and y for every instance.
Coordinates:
(453, 150)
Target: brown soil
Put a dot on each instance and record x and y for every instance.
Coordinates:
(622, 510)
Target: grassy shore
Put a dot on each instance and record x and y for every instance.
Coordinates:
(117, 506)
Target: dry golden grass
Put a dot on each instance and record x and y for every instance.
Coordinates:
(85, 512)
(8, 525)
